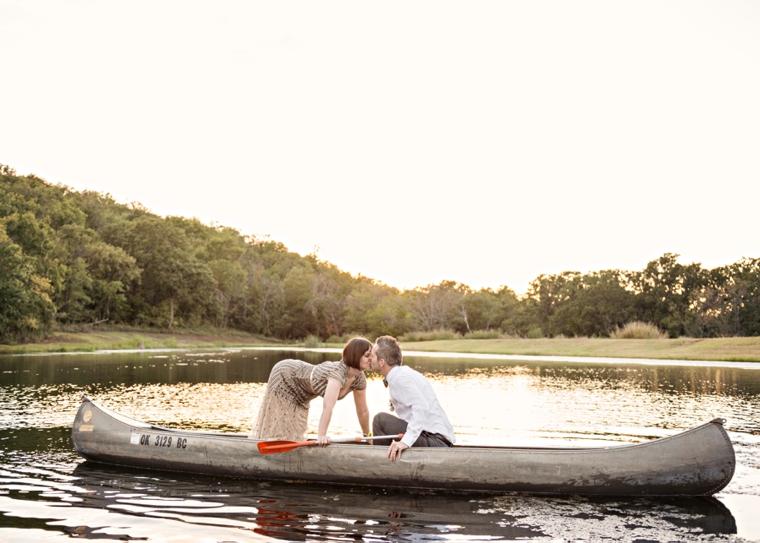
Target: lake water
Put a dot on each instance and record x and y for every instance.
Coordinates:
(47, 492)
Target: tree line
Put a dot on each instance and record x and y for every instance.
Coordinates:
(69, 257)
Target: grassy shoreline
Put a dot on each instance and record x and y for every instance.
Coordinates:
(735, 349)
(739, 349)
(71, 342)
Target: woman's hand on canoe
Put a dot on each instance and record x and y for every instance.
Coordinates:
(323, 441)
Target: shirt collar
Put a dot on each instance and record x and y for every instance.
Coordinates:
(391, 374)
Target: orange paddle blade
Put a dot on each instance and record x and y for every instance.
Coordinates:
(272, 447)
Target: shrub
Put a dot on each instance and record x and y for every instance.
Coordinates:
(311, 342)
(134, 342)
(638, 330)
(535, 333)
(432, 335)
(484, 334)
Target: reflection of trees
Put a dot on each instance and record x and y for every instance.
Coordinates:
(667, 380)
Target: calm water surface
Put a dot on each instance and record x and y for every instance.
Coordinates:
(47, 492)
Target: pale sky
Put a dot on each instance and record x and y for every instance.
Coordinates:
(412, 142)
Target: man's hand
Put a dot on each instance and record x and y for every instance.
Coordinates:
(323, 441)
(394, 451)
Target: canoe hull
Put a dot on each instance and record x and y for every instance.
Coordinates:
(697, 462)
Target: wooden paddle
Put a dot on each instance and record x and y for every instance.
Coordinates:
(273, 447)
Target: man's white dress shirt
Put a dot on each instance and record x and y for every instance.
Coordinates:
(415, 402)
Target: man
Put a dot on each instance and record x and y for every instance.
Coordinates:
(420, 417)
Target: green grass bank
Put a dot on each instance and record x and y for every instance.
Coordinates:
(64, 342)
(736, 349)
(739, 349)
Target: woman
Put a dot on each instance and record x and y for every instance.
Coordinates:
(284, 411)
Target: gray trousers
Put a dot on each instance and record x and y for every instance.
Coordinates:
(386, 424)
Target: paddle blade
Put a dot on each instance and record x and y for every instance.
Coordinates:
(274, 447)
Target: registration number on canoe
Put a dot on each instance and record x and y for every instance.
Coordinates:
(158, 441)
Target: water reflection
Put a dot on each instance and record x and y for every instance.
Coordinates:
(45, 487)
(137, 499)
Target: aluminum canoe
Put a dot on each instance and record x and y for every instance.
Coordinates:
(696, 462)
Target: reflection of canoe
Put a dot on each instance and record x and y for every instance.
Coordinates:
(315, 511)
(322, 511)
(696, 462)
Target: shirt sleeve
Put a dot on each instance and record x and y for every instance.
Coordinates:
(337, 372)
(418, 408)
(360, 383)
(325, 371)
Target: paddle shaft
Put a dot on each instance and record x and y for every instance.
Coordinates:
(270, 447)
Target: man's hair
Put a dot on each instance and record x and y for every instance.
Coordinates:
(354, 350)
(389, 350)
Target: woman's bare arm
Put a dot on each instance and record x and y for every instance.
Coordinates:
(331, 396)
(362, 411)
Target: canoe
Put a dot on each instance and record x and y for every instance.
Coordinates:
(697, 462)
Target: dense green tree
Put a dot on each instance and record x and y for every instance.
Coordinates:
(329, 297)
(112, 270)
(268, 296)
(436, 306)
(25, 306)
(374, 309)
(744, 297)
(230, 279)
(664, 291)
(482, 309)
(594, 305)
(511, 312)
(729, 303)
(298, 318)
(102, 211)
(545, 295)
(172, 278)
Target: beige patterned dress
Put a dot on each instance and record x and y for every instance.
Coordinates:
(284, 410)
